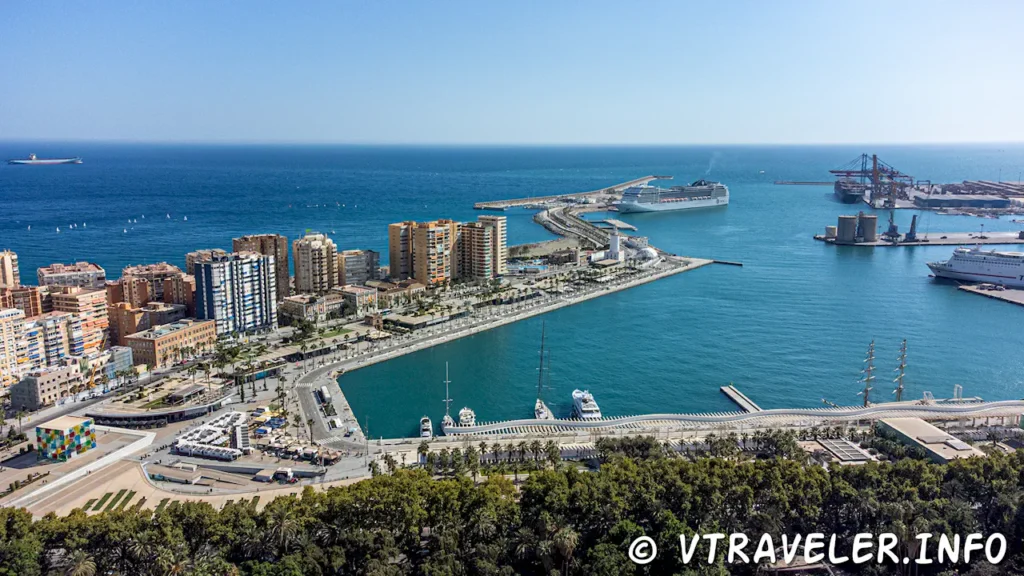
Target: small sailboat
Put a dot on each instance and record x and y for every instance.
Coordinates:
(185, 218)
(168, 216)
(29, 226)
(83, 224)
(426, 428)
(125, 230)
(58, 229)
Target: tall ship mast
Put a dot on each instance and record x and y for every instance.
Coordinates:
(447, 420)
(902, 371)
(869, 374)
(540, 409)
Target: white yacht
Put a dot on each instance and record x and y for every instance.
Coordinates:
(426, 428)
(467, 417)
(977, 265)
(584, 406)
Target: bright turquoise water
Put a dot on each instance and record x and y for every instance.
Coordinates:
(788, 328)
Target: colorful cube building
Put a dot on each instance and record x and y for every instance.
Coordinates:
(65, 437)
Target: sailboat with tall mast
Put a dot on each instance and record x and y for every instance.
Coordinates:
(869, 374)
(902, 369)
(540, 409)
(447, 421)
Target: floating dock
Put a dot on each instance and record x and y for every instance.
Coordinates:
(614, 189)
(741, 400)
(1011, 295)
(938, 239)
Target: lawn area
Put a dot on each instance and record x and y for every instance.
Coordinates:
(335, 332)
(115, 500)
(89, 504)
(154, 403)
(162, 503)
(103, 500)
(138, 505)
(126, 500)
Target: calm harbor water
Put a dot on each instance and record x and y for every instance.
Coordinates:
(789, 328)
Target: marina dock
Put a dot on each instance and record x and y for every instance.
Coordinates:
(937, 239)
(741, 400)
(519, 202)
(613, 223)
(1011, 295)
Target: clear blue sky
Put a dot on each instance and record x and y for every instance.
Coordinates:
(513, 72)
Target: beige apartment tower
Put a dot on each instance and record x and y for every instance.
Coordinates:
(10, 276)
(316, 264)
(269, 245)
(91, 307)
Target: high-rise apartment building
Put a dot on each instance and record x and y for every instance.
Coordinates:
(10, 276)
(192, 257)
(32, 300)
(91, 307)
(11, 325)
(50, 339)
(155, 274)
(499, 242)
(80, 274)
(400, 250)
(134, 291)
(424, 251)
(482, 249)
(238, 291)
(316, 260)
(181, 290)
(270, 245)
(357, 267)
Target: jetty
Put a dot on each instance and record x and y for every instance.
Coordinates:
(741, 400)
(573, 197)
(614, 223)
(936, 239)
(1011, 295)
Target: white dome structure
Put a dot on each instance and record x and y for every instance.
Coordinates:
(648, 254)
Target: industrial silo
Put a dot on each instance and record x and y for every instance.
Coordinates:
(869, 226)
(830, 232)
(847, 229)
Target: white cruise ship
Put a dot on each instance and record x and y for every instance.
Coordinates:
(977, 265)
(700, 194)
(584, 406)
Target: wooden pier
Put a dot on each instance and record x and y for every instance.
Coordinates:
(741, 400)
(614, 189)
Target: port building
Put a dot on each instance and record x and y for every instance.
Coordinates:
(940, 446)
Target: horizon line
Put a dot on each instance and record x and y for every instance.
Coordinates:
(495, 144)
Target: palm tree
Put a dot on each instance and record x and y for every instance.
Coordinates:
(496, 451)
(282, 527)
(535, 448)
(309, 423)
(423, 449)
(79, 563)
(565, 541)
(483, 449)
(19, 415)
(554, 453)
(521, 449)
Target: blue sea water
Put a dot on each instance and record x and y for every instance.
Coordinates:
(788, 328)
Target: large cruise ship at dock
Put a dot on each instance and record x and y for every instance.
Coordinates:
(977, 265)
(700, 194)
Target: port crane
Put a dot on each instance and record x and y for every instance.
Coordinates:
(872, 172)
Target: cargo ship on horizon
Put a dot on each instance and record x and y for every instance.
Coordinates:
(32, 160)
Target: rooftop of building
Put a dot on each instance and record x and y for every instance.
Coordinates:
(159, 267)
(59, 268)
(165, 329)
(354, 289)
(932, 439)
(63, 423)
(313, 298)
